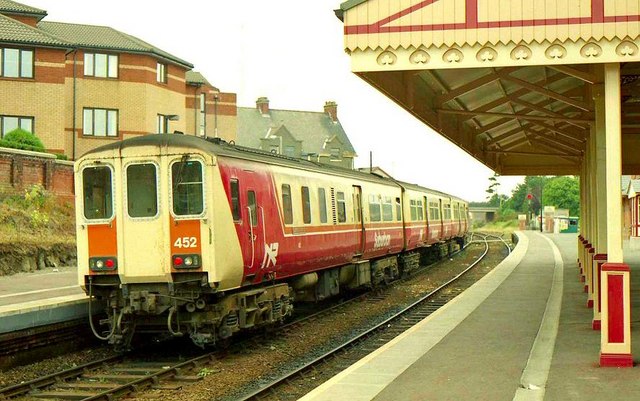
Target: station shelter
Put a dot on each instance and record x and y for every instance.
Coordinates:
(537, 87)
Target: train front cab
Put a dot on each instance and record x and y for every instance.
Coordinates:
(144, 232)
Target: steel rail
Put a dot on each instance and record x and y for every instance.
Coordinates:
(362, 336)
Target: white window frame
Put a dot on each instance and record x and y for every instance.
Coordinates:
(111, 67)
(89, 122)
(20, 119)
(24, 70)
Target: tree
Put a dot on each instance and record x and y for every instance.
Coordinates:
(492, 191)
(21, 139)
(563, 193)
(533, 185)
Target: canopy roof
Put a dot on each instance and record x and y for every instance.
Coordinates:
(511, 82)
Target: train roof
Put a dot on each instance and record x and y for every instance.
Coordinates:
(219, 147)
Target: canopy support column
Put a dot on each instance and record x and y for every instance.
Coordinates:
(615, 343)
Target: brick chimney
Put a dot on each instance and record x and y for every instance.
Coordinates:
(262, 104)
(331, 108)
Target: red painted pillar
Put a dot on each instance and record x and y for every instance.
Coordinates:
(616, 323)
(599, 260)
(580, 244)
(588, 287)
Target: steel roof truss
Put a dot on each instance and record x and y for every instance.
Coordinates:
(579, 104)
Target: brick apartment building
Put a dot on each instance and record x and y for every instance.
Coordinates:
(80, 86)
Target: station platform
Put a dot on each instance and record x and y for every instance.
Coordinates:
(521, 333)
(29, 300)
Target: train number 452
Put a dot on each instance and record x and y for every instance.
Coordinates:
(186, 242)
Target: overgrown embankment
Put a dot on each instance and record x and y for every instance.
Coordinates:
(35, 232)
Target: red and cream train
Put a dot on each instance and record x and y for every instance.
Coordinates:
(183, 235)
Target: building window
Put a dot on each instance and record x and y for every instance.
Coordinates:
(287, 206)
(161, 73)
(10, 123)
(100, 122)
(16, 63)
(290, 151)
(203, 115)
(335, 154)
(101, 65)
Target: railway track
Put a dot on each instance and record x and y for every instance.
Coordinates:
(123, 375)
(377, 335)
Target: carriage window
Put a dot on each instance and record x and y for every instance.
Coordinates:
(306, 205)
(374, 208)
(434, 211)
(322, 202)
(387, 209)
(235, 200)
(419, 210)
(251, 200)
(342, 207)
(398, 210)
(446, 211)
(142, 190)
(97, 193)
(287, 207)
(414, 211)
(187, 187)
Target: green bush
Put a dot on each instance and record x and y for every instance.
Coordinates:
(21, 139)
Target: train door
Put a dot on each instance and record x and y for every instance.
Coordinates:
(253, 225)
(441, 218)
(426, 219)
(357, 212)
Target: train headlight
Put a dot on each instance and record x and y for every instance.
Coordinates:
(186, 261)
(101, 264)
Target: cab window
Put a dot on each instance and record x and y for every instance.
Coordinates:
(187, 188)
(142, 190)
(97, 193)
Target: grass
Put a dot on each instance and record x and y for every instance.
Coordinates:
(35, 218)
(505, 227)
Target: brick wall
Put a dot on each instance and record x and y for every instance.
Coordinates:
(20, 169)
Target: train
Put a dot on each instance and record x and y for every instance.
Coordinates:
(180, 235)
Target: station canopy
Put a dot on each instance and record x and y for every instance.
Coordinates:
(512, 82)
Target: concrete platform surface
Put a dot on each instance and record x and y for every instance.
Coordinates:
(35, 299)
(522, 333)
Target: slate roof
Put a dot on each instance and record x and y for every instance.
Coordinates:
(624, 183)
(634, 185)
(12, 31)
(312, 128)
(11, 7)
(104, 37)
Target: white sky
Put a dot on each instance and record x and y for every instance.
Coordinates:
(291, 52)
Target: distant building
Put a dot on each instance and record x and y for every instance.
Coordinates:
(483, 214)
(80, 86)
(316, 136)
(631, 209)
